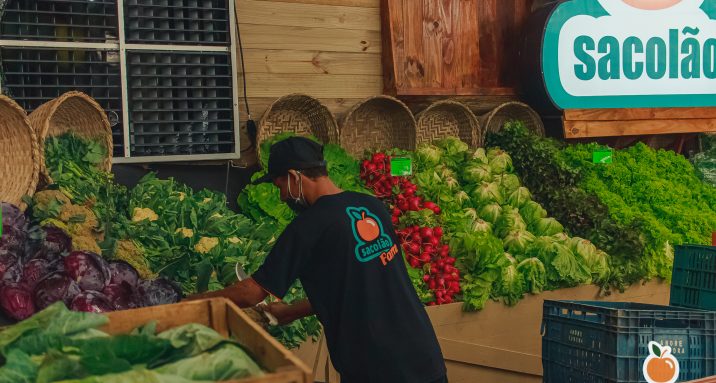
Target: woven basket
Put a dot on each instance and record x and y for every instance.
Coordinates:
(378, 123)
(493, 121)
(19, 154)
(300, 114)
(73, 112)
(448, 118)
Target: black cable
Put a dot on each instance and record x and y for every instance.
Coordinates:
(250, 124)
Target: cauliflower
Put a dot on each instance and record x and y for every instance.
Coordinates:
(205, 200)
(186, 233)
(205, 244)
(128, 251)
(216, 215)
(233, 240)
(141, 213)
(182, 196)
(85, 243)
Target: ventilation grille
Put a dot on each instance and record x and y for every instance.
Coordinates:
(35, 76)
(198, 22)
(180, 103)
(59, 20)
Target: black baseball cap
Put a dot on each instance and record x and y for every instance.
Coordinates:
(295, 153)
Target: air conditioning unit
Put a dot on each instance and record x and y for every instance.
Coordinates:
(163, 70)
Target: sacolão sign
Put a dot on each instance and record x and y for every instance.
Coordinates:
(631, 53)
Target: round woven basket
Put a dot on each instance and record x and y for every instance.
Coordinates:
(19, 154)
(493, 121)
(73, 112)
(300, 114)
(448, 118)
(378, 123)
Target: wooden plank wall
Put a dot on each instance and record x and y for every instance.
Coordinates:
(329, 49)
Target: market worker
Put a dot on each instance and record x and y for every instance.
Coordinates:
(343, 248)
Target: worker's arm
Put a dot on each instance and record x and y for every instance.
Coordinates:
(246, 293)
(287, 313)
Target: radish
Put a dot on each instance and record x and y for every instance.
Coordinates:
(426, 278)
(403, 205)
(413, 248)
(430, 205)
(438, 231)
(434, 241)
(414, 203)
(427, 233)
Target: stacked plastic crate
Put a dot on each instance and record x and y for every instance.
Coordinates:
(162, 69)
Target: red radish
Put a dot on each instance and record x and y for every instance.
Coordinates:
(429, 205)
(403, 205)
(438, 231)
(431, 284)
(425, 257)
(434, 241)
(395, 220)
(414, 263)
(436, 210)
(415, 237)
(378, 157)
(426, 232)
(414, 204)
(434, 270)
(440, 263)
(431, 303)
(426, 278)
(429, 249)
(413, 248)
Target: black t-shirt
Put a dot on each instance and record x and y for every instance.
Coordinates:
(348, 258)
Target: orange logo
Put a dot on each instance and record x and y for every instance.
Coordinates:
(660, 366)
(367, 228)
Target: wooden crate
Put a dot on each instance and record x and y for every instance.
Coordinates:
(228, 320)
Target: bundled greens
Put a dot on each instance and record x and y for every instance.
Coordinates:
(556, 186)
(505, 243)
(58, 345)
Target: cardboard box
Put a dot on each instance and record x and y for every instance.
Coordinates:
(228, 320)
(499, 343)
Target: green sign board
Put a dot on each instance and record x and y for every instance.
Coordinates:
(605, 156)
(401, 166)
(631, 54)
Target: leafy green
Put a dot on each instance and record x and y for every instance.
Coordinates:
(534, 275)
(226, 362)
(18, 368)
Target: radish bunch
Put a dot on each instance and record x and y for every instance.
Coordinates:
(422, 244)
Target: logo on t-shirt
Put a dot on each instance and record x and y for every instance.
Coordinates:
(372, 240)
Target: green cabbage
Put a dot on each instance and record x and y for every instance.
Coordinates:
(534, 275)
(518, 241)
(491, 212)
(532, 211)
(510, 286)
(510, 220)
(428, 156)
(486, 193)
(507, 182)
(479, 225)
(478, 156)
(476, 173)
(500, 161)
(546, 227)
(519, 197)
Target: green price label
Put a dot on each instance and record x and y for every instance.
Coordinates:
(602, 156)
(401, 166)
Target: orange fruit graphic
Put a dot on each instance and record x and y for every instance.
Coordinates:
(661, 369)
(367, 228)
(652, 5)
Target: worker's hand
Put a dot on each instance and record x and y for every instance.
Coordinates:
(283, 312)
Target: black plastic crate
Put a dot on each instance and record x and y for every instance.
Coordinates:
(33, 76)
(196, 22)
(180, 103)
(606, 342)
(59, 20)
(693, 281)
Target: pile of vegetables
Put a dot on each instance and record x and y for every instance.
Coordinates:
(557, 187)
(38, 268)
(416, 223)
(504, 242)
(58, 345)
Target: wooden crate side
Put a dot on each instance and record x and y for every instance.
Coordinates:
(167, 316)
(267, 349)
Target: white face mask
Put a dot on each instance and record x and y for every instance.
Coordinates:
(297, 203)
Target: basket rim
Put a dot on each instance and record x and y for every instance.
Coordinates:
(487, 117)
(366, 100)
(44, 128)
(333, 132)
(476, 126)
(34, 147)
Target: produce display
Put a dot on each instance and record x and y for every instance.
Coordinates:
(59, 345)
(505, 243)
(39, 268)
(430, 265)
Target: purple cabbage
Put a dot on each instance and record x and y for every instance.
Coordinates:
(16, 301)
(55, 287)
(160, 291)
(91, 302)
(88, 269)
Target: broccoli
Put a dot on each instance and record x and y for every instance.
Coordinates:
(128, 251)
(47, 204)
